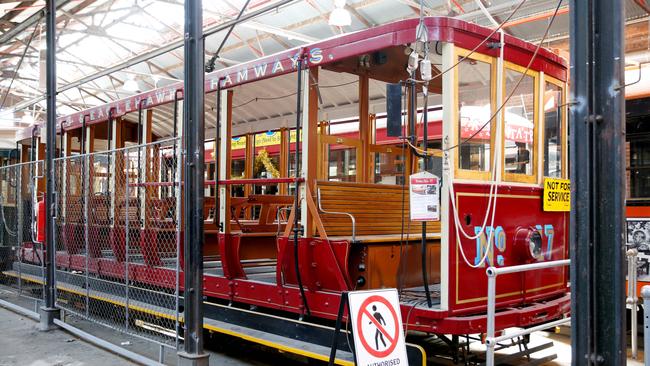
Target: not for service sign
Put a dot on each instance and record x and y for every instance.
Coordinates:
(557, 194)
(377, 328)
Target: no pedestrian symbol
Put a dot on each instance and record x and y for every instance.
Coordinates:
(377, 327)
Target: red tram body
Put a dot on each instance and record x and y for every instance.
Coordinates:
(331, 261)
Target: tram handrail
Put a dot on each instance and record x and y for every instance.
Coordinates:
(632, 298)
(492, 273)
(354, 222)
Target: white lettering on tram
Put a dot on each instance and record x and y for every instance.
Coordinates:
(242, 75)
(315, 57)
(260, 70)
(277, 67)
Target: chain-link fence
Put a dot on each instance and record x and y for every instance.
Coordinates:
(118, 238)
(21, 250)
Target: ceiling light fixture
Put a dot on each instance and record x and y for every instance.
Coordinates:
(131, 85)
(340, 16)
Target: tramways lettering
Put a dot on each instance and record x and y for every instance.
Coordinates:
(165, 95)
(498, 242)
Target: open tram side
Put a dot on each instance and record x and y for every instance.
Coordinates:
(281, 247)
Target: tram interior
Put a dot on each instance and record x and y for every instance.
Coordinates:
(359, 169)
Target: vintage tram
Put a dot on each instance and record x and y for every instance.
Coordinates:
(306, 194)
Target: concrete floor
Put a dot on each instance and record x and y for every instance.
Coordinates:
(21, 343)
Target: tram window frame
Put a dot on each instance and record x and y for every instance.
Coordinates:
(326, 138)
(563, 126)
(536, 149)
(492, 61)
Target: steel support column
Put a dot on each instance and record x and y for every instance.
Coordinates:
(598, 179)
(49, 311)
(193, 136)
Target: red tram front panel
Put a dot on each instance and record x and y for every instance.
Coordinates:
(518, 211)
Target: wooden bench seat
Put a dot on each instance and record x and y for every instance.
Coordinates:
(380, 211)
(266, 223)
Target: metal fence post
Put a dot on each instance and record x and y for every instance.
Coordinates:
(49, 311)
(645, 292)
(632, 299)
(193, 138)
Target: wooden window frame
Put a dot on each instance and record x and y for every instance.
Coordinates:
(519, 177)
(563, 124)
(467, 173)
(326, 139)
(389, 149)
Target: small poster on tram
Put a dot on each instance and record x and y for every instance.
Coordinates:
(638, 237)
(424, 194)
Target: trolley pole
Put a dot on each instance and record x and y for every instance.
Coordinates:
(193, 134)
(597, 180)
(49, 311)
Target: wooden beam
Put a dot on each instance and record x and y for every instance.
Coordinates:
(364, 130)
(284, 158)
(309, 144)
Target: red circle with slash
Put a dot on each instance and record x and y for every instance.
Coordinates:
(390, 338)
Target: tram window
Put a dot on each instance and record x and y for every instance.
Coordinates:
(475, 110)
(237, 171)
(519, 124)
(266, 166)
(342, 164)
(639, 168)
(390, 166)
(553, 130)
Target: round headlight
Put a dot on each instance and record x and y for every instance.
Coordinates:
(529, 243)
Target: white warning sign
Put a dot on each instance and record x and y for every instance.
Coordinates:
(377, 328)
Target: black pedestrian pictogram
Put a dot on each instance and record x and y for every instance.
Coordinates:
(384, 326)
(378, 334)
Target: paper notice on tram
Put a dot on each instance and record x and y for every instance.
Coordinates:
(424, 194)
(557, 194)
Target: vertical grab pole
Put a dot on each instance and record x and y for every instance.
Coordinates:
(425, 157)
(632, 299)
(193, 137)
(49, 311)
(645, 293)
(296, 207)
(491, 310)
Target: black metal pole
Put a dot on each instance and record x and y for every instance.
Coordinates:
(296, 206)
(193, 136)
(49, 311)
(425, 161)
(597, 245)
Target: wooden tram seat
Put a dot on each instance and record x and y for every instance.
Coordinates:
(381, 222)
(266, 224)
(127, 209)
(380, 212)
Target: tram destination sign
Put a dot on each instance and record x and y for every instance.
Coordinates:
(557, 194)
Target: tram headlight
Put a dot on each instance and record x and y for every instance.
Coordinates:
(529, 243)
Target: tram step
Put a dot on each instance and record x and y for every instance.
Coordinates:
(278, 342)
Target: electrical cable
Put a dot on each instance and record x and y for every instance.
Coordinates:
(20, 62)
(210, 65)
(496, 166)
(494, 31)
(257, 99)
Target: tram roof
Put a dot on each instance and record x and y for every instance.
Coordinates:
(321, 53)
